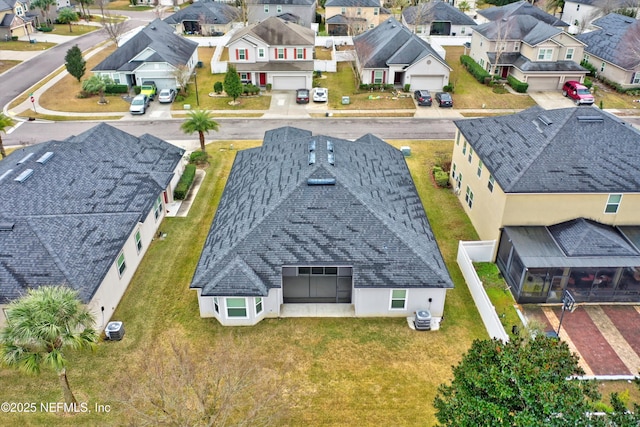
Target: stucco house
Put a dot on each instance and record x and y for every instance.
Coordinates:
(303, 11)
(154, 53)
(530, 50)
(560, 191)
(437, 18)
(15, 19)
(310, 219)
(521, 7)
(204, 17)
(580, 14)
(610, 49)
(352, 17)
(392, 54)
(275, 52)
(82, 212)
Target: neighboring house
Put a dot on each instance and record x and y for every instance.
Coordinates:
(560, 191)
(519, 8)
(204, 17)
(310, 219)
(529, 50)
(15, 19)
(392, 54)
(437, 18)
(274, 52)
(155, 53)
(352, 17)
(614, 49)
(303, 10)
(581, 13)
(82, 212)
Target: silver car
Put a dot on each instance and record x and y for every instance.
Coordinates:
(139, 104)
(166, 96)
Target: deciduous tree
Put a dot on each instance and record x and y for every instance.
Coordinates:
(232, 83)
(199, 121)
(5, 122)
(75, 63)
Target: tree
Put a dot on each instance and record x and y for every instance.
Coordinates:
(45, 7)
(41, 327)
(523, 382)
(199, 121)
(114, 26)
(5, 122)
(182, 74)
(232, 83)
(75, 63)
(84, 7)
(96, 85)
(67, 16)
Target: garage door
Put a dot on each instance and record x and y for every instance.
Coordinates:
(316, 285)
(539, 84)
(289, 82)
(432, 83)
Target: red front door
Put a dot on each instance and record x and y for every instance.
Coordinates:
(263, 79)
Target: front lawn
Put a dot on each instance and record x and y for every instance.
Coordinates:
(25, 45)
(7, 64)
(76, 30)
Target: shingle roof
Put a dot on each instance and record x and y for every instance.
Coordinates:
(391, 43)
(277, 32)
(352, 3)
(522, 63)
(607, 4)
(614, 40)
(371, 218)
(287, 2)
(521, 8)
(583, 237)
(73, 215)
(436, 11)
(157, 36)
(205, 12)
(518, 27)
(569, 150)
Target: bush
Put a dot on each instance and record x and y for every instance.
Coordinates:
(83, 94)
(441, 178)
(499, 89)
(376, 86)
(45, 29)
(591, 68)
(14, 38)
(137, 89)
(185, 182)
(250, 89)
(448, 88)
(116, 89)
(588, 82)
(479, 73)
(517, 85)
(407, 87)
(199, 157)
(269, 87)
(217, 87)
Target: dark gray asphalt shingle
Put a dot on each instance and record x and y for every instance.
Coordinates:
(205, 12)
(583, 237)
(352, 3)
(518, 27)
(277, 32)
(522, 7)
(372, 218)
(615, 41)
(425, 13)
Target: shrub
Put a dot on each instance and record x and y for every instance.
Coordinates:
(517, 85)
(499, 89)
(137, 89)
(45, 29)
(185, 182)
(591, 68)
(588, 82)
(217, 87)
(116, 89)
(14, 38)
(441, 178)
(250, 89)
(479, 73)
(83, 94)
(269, 87)
(199, 157)
(448, 88)
(407, 87)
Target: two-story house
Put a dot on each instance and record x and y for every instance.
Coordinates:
(275, 52)
(437, 18)
(580, 14)
(352, 17)
(560, 191)
(204, 17)
(14, 19)
(302, 12)
(530, 50)
(521, 7)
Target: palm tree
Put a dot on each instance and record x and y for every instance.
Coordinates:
(199, 121)
(5, 122)
(41, 326)
(67, 16)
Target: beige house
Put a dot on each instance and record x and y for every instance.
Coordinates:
(14, 19)
(539, 171)
(352, 17)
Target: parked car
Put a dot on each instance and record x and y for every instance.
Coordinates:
(166, 96)
(423, 97)
(302, 96)
(578, 92)
(444, 99)
(149, 88)
(320, 94)
(139, 104)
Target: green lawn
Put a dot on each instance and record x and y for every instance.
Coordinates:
(25, 45)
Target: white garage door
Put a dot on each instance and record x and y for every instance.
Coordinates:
(539, 84)
(432, 83)
(289, 82)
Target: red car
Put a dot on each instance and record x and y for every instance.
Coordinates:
(579, 93)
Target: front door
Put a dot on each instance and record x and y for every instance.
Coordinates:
(262, 77)
(505, 72)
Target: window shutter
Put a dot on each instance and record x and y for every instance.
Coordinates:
(285, 53)
(276, 53)
(295, 53)
(246, 54)
(304, 53)
(237, 55)
(384, 77)
(633, 77)
(373, 76)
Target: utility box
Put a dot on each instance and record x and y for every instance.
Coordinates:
(114, 331)
(406, 151)
(346, 100)
(423, 320)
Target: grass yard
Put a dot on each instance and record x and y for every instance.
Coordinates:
(76, 30)
(25, 46)
(499, 294)
(55, 118)
(612, 99)
(7, 64)
(322, 53)
(126, 5)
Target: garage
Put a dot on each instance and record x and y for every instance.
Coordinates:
(161, 83)
(432, 83)
(539, 84)
(289, 82)
(316, 284)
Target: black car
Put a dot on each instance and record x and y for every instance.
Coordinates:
(444, 99)
(302, 96)
(423, 97)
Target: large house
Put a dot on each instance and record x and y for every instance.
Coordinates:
(522, 7)
(155, 53)
(309, 219)
(610, 49)
(275, 52)
(560, 191)
(437, 18)
(392, 54)
(580, 14)
(204, 17)
(14, 19)
(82, 212)
(352, 17)
(529, 50)
(301, 12)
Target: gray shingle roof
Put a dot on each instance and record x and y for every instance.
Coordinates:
(518, 27)
(287, 2)
(608, 4)
(391, 43)
(521, 62)
(581, 150)
(372, 218)
(206, 12)
(614, 40)
(73, 215)
(352, 3)
(521, 8)
(436, 11)
(277, 32)
(583, 237)
(158, 36)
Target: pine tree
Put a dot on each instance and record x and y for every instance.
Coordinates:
(232, 83)
(75, 63)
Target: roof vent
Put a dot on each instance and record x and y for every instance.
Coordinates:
(6, 226)
(24, 175)
(5, 174)
(312, 158)
(545, 120)
(590, 119)
(153, 27)
(24, 159)
(321, 181)
(608, 34)
(45, 157)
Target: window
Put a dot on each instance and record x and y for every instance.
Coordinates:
(242, 54)
(260, 52)
(236, 307)
(138, 241)
(578, 8)
(464, 148)
(156, 207)
(459, 181)
(462, 30)
(398, 299)
(245, 77)
(516, 47)
(470, 157)
(602, 67)
(636, 78)
(216, 305)
(453, 171)
(469, 197)
(490, 184)
(344, 10)
(19, 11)
(613, 203)
(371, 26)
(376, 11)
(280, 53)
(279, 8)
(545, 54)
(586, 57)
(458, 138)
(359, 11)
(258, 305)
(122, 265)
(569, 54)
(479, 168)
(300, 53)
(481, 60)
(266, 8)
(377, 76)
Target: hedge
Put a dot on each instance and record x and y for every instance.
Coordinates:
(116, 89)
(185, 182)
(517, 85)
(479, 73)
(376, 86)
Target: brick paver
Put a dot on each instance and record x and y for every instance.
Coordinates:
(554, 321)
(627, 320)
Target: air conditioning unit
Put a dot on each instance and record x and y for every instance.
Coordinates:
(423, 320)
(114, 331)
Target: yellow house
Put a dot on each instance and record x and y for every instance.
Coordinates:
(352, 17)
(14, 21)
(523, 177)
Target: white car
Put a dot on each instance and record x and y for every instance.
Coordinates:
(320, 94)
(139, 104)
(166, 96)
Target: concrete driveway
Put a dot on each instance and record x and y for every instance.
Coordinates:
(551, 100)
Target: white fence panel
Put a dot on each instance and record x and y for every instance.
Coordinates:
(218, 67)
(325, 65)
(327, 41)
